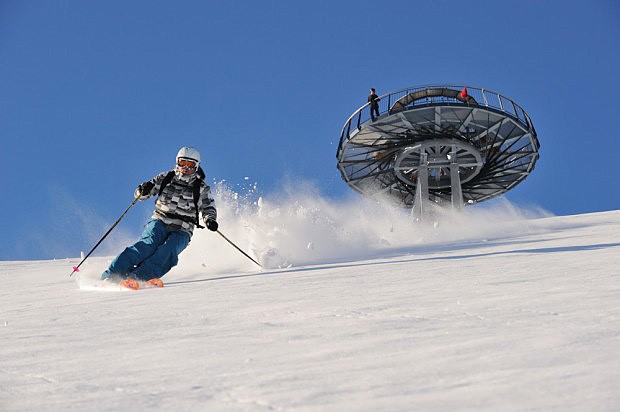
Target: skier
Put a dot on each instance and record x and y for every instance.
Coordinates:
(181, 195)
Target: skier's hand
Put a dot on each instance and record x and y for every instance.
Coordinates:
(211, 225)
(144, 189)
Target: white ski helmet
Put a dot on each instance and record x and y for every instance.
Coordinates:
(190, 153)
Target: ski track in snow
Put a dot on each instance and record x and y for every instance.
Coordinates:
(518, 314)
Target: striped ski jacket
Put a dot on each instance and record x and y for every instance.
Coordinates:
(175, 205)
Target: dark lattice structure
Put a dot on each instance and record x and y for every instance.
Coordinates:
(443, 143)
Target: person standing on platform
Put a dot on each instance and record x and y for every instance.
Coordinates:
(373, 101)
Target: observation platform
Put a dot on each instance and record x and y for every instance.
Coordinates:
(447, 144)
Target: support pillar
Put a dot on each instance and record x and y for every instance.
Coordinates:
(420, 203)
(455, 181)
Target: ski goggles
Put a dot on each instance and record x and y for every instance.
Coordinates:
(187, 164)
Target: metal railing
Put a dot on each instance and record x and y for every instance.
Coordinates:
(483, 98)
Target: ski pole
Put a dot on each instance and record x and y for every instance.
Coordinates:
(77, 268)
(237, 247)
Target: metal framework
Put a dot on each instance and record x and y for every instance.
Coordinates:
(448, 144)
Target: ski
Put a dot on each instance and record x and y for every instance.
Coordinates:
(134, 284)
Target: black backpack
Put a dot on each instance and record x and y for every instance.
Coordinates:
(195, 188)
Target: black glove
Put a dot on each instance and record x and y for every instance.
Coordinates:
(145, 188)
(211, 225)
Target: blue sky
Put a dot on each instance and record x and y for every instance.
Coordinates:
(96, 97)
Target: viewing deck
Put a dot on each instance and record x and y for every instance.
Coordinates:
(456, 137)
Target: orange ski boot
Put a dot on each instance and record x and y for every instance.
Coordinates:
(156, 283)
(130, 284)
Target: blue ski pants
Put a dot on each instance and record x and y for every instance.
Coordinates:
(152, 256)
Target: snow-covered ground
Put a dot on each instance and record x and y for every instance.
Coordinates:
(493, 310)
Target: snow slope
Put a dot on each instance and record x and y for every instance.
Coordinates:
(483, 313)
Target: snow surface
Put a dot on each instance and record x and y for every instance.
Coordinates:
(362, 310)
